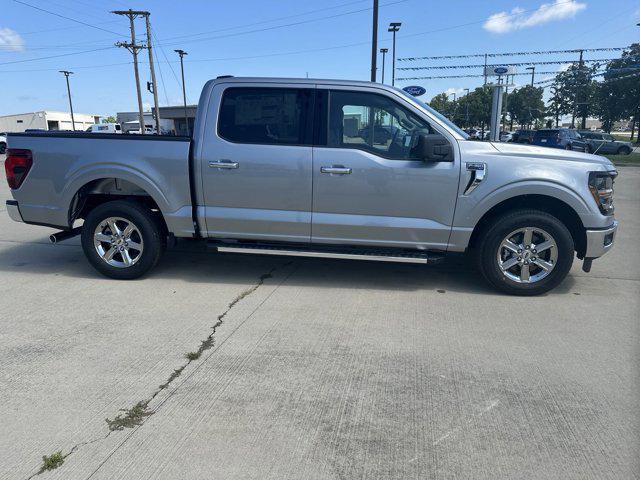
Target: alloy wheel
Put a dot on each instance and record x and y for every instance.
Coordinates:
(118, 242)
(527, 255)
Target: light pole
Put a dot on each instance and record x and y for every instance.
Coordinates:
(466, 103)
(394, 27)
(374, 42)
(66, 73)
(383, 51)
(182, 53)
(533, 73)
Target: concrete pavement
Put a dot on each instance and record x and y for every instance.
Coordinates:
(316, 369)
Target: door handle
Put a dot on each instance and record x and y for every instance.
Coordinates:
(223, 164)
(336, 169)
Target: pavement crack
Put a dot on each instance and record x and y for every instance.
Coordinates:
(137, 415)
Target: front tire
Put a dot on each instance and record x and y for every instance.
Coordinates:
(624, 151)
(525, 252)
(122, 240)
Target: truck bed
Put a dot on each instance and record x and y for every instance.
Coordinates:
(66, 162)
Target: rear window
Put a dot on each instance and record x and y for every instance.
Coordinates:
(547, 133)
(268, 116)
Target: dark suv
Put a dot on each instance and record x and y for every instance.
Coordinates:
(522, 136)
(564, 138)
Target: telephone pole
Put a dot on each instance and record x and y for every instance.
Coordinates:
(156, 110)
(66, 73)
(374, 42)
(182, 53)
(133, 48)
(394, 27)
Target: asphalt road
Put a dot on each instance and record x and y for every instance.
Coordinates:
(316, 369)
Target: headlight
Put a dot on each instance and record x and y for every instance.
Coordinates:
(601, 187)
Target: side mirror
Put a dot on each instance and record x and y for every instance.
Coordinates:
(433, 148)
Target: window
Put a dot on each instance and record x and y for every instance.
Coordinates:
(272, 116)
(374, 123)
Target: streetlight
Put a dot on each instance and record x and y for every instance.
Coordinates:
(394, 27)
(182, 53)
(466, 103)
(66, 73)
(533, 73)
(383, 51)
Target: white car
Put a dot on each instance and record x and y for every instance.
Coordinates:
(3, 143)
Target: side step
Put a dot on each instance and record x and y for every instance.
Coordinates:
(401, 256)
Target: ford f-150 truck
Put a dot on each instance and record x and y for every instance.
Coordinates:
(296, 167)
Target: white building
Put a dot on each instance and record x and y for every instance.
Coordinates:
(46, 120)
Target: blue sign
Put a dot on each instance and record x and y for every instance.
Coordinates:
(500, 70)
(415, 90)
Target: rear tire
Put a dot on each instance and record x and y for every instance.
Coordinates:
(624, 151)
(3, 148)
(122, 240)
(504, 250)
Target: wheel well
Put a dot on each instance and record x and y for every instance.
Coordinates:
(105, 190)
(559, 209)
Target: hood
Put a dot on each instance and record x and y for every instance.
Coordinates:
(528, 151)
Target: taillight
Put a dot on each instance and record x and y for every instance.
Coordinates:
(17, 165)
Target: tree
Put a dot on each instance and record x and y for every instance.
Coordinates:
(442, 104)
(110, 119)
(618, 95)
(526, 106)
(575, 92)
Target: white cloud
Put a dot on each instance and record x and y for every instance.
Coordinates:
(452, 90)
(504, 22)
(11, 40)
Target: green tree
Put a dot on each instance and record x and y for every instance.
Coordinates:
(576, 91)
(110, 119)
(618, 95)
(442, 104)
(525, 106)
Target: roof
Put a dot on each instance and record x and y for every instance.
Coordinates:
(302, 81)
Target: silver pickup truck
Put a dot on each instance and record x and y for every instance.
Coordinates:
(326, 168)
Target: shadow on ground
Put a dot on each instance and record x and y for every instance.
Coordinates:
(193, 261)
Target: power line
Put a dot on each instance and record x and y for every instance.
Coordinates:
(518, 64)
(67, 18)
(512, 54)
(56, 56)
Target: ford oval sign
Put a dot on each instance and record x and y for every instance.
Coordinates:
(500, 70)
(415, 90)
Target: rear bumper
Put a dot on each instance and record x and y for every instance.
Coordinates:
(14, 211)
(600, 241)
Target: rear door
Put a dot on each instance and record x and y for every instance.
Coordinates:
(257, 162)
(368, 186)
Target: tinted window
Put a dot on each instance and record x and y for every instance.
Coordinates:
(274, 116)
(374, 123)
(546, 133)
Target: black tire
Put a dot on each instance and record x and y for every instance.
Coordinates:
(568, 147)
(624, 151)
(3, 147)
(150, 231)
(498, 229)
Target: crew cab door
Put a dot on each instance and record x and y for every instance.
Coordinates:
(256, 162)
(369, 187)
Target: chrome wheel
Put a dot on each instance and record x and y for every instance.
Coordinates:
(118, 242)
(527, 255)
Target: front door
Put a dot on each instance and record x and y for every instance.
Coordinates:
(257, 163)
(369, 186)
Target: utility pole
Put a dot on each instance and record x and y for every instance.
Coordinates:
(182, 53)
(533, 73)
(66, 73)
(383, 51)
(466, 113)
(156, 109)
(374, 41)
(133, 48)
(394, 27)
(485, 69)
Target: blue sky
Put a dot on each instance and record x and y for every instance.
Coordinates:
(324, 39)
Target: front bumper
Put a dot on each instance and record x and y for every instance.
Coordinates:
(14, 211)
(601, 241)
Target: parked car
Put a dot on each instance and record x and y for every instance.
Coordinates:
(473, 133)
(506, 136)
(105, 128)
(265, 173)
(522, 136)
(564, 138)
(598, 142)
(3, 142)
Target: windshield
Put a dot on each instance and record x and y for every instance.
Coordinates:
(436, 114)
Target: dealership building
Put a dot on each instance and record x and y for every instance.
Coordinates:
(46, 120)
